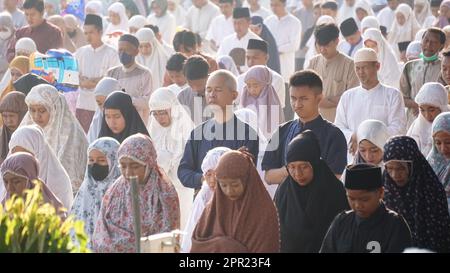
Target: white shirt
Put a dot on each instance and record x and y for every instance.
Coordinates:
(94, 63)
(386, 17)
(167, 25)
(345, 47)
(287, 32)
(382, 103)
(19, 19)
(263, 12)
(232, 41)
(198, 20)
(277, 83)
(176, 89)
(220, 28)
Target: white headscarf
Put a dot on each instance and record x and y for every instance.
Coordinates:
(364, 5)
(226, 62)
(158, 58)
(52, 173)
(369, 22)
(86, 205)
(63, 131)
(118, 8)
(431, 93)
(26, 45)
(389, 72)
(204, 195)
(137, 21)
(345, 12)
(419, 35)
(374, 131)
(406, 32)
(96, 6)
(425, 13)
(104, 87)
(413, 50)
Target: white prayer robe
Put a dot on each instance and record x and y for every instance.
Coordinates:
(386, 17)
(198, 20)
(345, 47)
(232, 41)
(287, 32)
(220, 28)
(167, 25)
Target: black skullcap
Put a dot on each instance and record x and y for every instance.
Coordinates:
(93, 19)
(225, 1)
(403, 46)
(329, 5)
(28, 81)
(304, 147)
(129, 38)
(363, 177)
(435, 3)
(257, 44)
(348, 27)
(326, 33)
(241, 13)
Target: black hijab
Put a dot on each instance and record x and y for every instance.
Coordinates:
(266, 35)
(306, 212)
(134, 124)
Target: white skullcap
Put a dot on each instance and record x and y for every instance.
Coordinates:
(365, 55)
(212, 158)
(26, 44)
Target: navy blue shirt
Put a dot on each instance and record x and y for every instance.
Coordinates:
(233, 134)
(333, 145)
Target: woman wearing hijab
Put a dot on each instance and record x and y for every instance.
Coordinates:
(405, 26)
(158, 200)
(389, 73)
(432, 100)
(413, 190)
(170, 127)
(130, 7)
(58, 21)
(136, 23)
(439, 157)
(177, 11)
(310, 197)
(205, 194)
(369, 22)
(31, 139)
(96, 7)
(48, 108)
(73, 30)
(260, 96)
(371, 136)
(120, 117)
(18, 67)
(152, 55)
(231, 222)
(227, 63)
(104, 87)
(7, 37)
(20, 172)
(165, 21)
(260, 29)
(118, 19)
(413, 50)
(444, 15)
(422, 11)
(362, 10)
(101, 172)
(12, 109)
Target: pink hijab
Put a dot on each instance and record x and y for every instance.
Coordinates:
(159, 205)
(442, 21)
(267, 105)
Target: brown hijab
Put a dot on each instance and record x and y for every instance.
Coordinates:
(12, 102)
(249, 224)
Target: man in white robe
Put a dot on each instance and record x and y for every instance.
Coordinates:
(386, 16)
(222, 25)
(287, 31)
(370, 100)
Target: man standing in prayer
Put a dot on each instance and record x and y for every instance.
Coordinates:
(370, 100)
(369, 227)
(45, 35)
(133, 77)
(353, 38)
(287, 30)
(305, 93)
(94, 60)
(223, 130)
(242, 35)
(425, 69)
(17, 15)
(222, 25)
(336, 69)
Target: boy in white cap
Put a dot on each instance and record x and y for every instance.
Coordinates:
(371, 100)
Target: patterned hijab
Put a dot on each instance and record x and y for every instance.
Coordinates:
(159, 206)
(86, 205)
(237, 226)
(422, 202)
(438, 162)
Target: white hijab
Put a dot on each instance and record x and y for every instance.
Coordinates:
(406, 32)
(364, 5)
(425, 13)
(104, 87)
(137, 21)
(63, 131)
(369, 22)
(431, 93)
(118, 8)
(345, 12)
(374, 131)
(389, 72)
(158, 58)
(52, 173)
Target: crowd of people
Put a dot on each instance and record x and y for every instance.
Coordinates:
(252, 126)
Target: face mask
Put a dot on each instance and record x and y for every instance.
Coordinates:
(5, 34)
(429, 59)
(98, 172)
(72, 33)
(125, 58)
